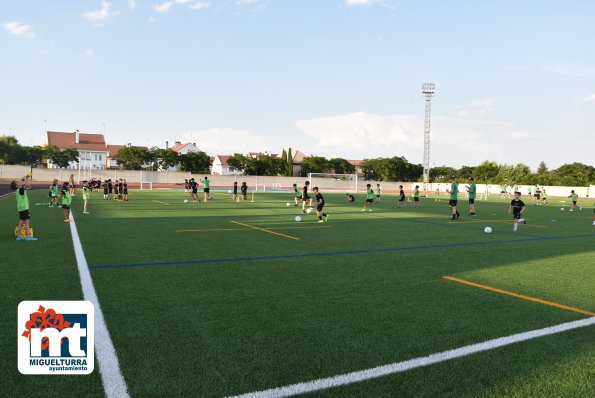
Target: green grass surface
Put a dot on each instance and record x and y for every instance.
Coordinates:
(223, 309)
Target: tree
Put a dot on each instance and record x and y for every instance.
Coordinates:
(61, 158)
(9, 149)
(391, 169)
(465, 172)
(487, 172)
(31, 155)
(163, 159)
(514, 175)
(132, 158)
(315, 164)
(441, 174)
(195, 162)
(574, 175)
(341, 166)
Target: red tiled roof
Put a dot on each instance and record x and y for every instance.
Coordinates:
(113, 149)
(224, 159)
(88, 142)
(355, 162)
(179, 147)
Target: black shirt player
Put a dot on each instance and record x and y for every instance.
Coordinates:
(319, 205)
(517, 206)
(305, 196)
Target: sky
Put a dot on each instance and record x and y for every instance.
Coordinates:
(515, 80)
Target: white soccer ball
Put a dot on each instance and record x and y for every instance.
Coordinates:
(298, 218)
(288, 204)
(561, 209)
(230, 191)
(488, 230)
(309, 211)
(185, 200)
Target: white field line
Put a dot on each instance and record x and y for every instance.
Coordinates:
(372, 373)
(109, 367)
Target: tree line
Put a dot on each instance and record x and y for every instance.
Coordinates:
(378, 169)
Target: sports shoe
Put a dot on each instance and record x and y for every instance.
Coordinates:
(326, 218)
(363, 209)
(370, 210)
(21, 238)
(319, 221)
(86, 212)
(67, 220)
(30, 238)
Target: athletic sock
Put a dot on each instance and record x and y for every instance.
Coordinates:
(516, 226)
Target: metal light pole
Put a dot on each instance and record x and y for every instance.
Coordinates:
(428, 90)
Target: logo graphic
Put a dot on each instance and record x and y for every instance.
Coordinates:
(56, 337)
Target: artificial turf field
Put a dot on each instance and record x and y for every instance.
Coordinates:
(224, 298)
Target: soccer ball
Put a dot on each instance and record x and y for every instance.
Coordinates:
(288, 204)
(298, 218)
(309, 211)
(561, 209)
(488, 230)
(230, 191)
(185, 200)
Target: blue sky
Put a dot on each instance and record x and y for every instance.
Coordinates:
(515, 80)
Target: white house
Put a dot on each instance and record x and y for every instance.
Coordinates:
(183, 149)
(91, 148)
(220, 166)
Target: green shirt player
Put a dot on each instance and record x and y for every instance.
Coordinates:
(206, 188)
(23, 207)
(472, 190)
(66, 200)
(454, 194)
(573, 198)
(378, 198)
(86, 196)
(297, 194)
(416, 197)
(369, 198)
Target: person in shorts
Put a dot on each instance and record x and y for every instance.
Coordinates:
(573, 199)
(378, 198)
(297, 194)
(306, 197)
(66, 200)
(206, 188)
(454, 193)
(86, 197)
(320, 206)
(23, 207)
(517, 207)
(472, 191)
(402, 198)
(369, 198)
(416, 197)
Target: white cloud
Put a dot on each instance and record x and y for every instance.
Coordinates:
(19, 29)
(167, 5)
(199, 5)
(483, 103)
(571, 70)
(103, 13)
(589, 98)
(131, 4)
(359, 2)
(89, 52)
(246, 1)
(479, 106)
(226, 141)
(454, 141)
(150, 20)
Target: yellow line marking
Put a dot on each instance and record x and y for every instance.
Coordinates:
(163, 203)
(265, 230)
(521, 296)
(244, 229)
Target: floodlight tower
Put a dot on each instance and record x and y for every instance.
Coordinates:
(428, 90)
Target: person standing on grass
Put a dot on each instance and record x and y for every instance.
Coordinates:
(66, 200)
(72, 186)
(517, 206)
(23, 207)
(194, 190)
(306, 197)
(401, 197)
(206, 188)
(472, 190)
(110, 188)
(416, 197)
(369, 198)
(235, 192)
(320, 206)
(544, 197)
(297, 194)
(186, 186)
(125, 190)
(537, 196)
(244, 190)
(454, 194)
(573, 198)
(86, 197)
(54, 191)
(378, 198)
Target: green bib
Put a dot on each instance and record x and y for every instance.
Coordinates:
(22, 200)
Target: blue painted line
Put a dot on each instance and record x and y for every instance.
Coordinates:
(326, 254)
